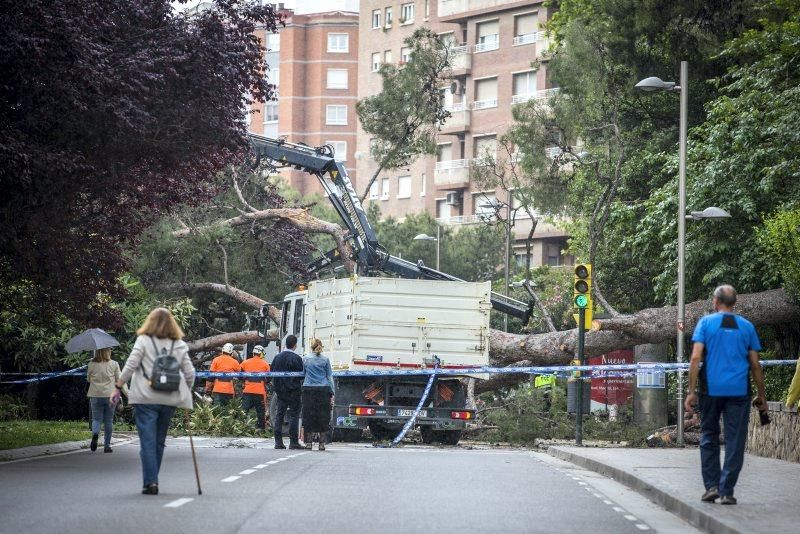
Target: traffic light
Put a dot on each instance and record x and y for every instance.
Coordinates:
(582, 292)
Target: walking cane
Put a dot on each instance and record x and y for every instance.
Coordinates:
(194, 458)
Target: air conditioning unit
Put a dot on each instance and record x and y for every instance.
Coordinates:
(453, 199)
(457, 88)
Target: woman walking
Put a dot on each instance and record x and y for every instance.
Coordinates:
(153, 408)
(318, 391)
(101, 374)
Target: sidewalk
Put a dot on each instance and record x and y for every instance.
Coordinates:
(56, 448)
(767, 489)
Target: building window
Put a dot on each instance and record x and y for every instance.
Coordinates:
(387, 56)
(336, 115)
(553, 255)
(424, 185)
(403, 187)
(407, 13)
(484, 203)
(337, 79)
(385, 189)
(444, 152)
(524, 87)
(488, 36)
(338, 43)
(427, 9)
(525, 29)
(270, 112)
(273, 42)
(485, 148)
(376, 19)
(485, 93)
(442, 209)
(275, 76)
(388, 17)
(339, 149)
(376, 62)
(373, 190)
(405, 55)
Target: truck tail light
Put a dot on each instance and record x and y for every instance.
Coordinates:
(362, 411)
(460, 415)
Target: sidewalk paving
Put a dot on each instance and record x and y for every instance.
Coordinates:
(57, 448)
(767, 490)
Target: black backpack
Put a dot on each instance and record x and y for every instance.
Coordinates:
(166, 375)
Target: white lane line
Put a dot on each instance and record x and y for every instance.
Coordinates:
(606, 501)
(631, 517)
(260, 466)
(618, 509)
(641, 526)
(281, 459)
(271, 462)
(231, 479)
(597, 495)
(178, 502)
(583, 483)
(248, 472)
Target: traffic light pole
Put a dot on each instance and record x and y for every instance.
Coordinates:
(579, 383)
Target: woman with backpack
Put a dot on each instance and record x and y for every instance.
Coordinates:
(318, 391)
(161, 375)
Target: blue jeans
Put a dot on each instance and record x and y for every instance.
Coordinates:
(152, 423)
(102, 412)
(736, 411)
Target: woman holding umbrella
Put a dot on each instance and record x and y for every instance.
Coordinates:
(101, 374)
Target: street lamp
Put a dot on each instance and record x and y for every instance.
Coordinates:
(426, 237)
(656, 84)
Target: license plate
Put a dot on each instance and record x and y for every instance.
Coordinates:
(409, 413)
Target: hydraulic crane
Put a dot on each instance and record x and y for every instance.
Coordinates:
(370, 257)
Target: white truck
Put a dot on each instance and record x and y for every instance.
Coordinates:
(370, 323)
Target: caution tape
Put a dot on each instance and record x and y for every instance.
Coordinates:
(39, 377)
(597, 371)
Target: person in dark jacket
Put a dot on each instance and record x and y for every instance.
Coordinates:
(288, 394)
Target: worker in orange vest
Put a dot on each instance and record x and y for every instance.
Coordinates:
(254, 393)
(222, 391)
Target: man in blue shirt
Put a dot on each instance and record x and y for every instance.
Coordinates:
(727, 345)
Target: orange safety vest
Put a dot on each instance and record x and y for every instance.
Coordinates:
(224, 364)
(254, 365)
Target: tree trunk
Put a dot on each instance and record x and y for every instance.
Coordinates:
(249, 336)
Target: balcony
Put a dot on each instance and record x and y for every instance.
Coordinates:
(461, 219)
(484, 104)
(451, 173)
(492, 43)
(528, 38)
(449, 8)
(543, 94)
(461, 60)
(459, 120)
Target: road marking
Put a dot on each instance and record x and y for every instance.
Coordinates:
(271, 462)
(178, 502)
(583, 483)
(597, 495)
(260, 466)
(618, 509)
(248, 472)
(640, 526)
(280, 459)
(606, 501)
(631, 517)
(231, 479)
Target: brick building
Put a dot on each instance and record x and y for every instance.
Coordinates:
(313, 61)
(494, 43)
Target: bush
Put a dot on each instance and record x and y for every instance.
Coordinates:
(213, 420)
(12, 408)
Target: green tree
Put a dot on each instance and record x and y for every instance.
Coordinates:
(403, 118)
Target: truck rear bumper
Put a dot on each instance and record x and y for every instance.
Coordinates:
(359, 416)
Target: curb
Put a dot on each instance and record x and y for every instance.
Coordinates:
(683, 509)
(54, 449)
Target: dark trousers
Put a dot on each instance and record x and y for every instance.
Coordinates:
(291, 402)
(736, 413)
(257, 401)
(221, 399)
(152, 423)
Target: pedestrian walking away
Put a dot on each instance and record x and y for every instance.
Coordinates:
(101, 374)
(254, 394)
(161, 375)
(287, 393)
(318, 392)
(727, 345)
(222, 388)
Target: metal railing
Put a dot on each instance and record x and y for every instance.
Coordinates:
(483, 104)
(452, 164)
(492, 44)
(526, 38)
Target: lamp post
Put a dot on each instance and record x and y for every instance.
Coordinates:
(656, 84)
(426, 237)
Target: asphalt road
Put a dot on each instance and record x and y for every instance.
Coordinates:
(250, 487)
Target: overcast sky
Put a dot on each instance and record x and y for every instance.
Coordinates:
(300, 6)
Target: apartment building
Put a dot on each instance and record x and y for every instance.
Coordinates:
(493, 44)
(313, 62)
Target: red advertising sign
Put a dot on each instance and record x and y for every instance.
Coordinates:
(613, 390)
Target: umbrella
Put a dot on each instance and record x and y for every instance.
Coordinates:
(92, 339)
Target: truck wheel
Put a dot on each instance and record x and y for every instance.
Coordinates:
(428, 434)
(450, 437)
(348, 435)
